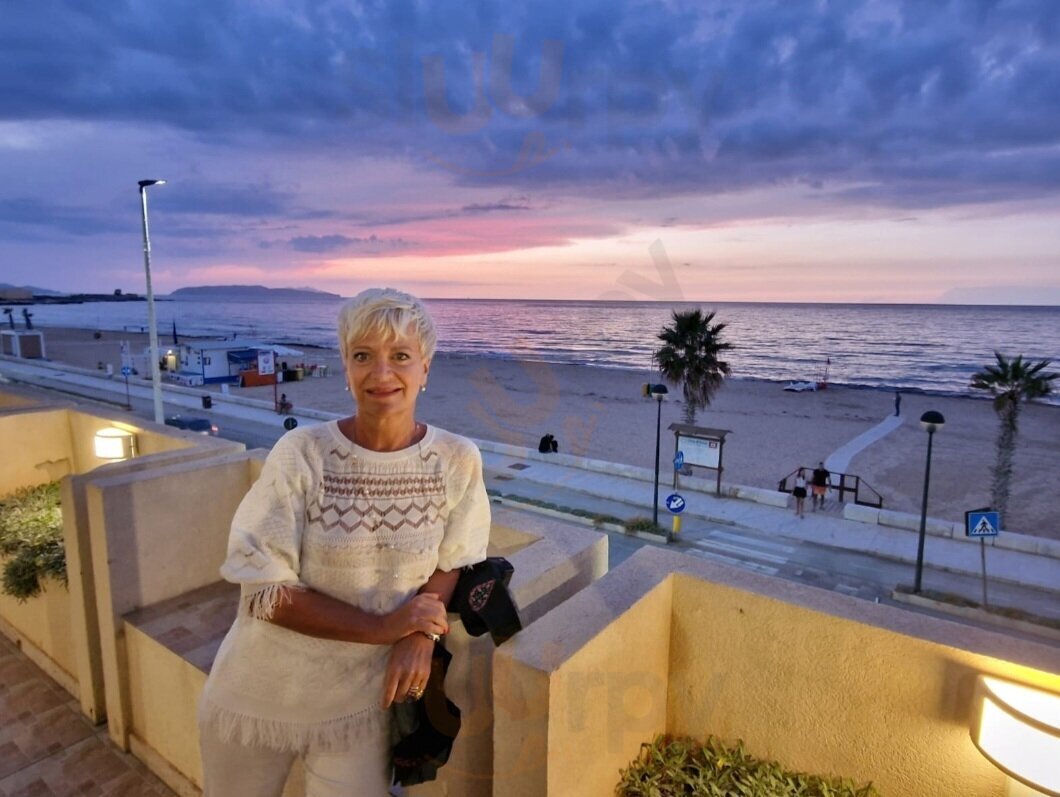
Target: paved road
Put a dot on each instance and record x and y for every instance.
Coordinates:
(854, 573)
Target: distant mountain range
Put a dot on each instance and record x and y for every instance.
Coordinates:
(250, 292)
(33, 290)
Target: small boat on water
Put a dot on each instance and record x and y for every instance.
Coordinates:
(800, 387)
(819, 384)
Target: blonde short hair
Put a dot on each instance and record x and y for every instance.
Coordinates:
(388, 314)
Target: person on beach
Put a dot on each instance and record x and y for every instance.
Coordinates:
(799, 492)
(897, 403)
(347, 550)
(819, 485)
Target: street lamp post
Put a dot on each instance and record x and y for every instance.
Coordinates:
(152, 325)
(657, 392)
(931, 421)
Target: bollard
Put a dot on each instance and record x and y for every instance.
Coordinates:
(677, 524)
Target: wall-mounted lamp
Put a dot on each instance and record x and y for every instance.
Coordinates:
(115, 444)
(1018, 729)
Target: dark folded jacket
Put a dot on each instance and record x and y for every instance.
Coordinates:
(425, 729)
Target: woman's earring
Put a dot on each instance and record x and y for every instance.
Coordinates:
(423, 388)
(347, 388)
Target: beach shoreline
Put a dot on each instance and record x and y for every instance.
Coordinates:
(599, 412)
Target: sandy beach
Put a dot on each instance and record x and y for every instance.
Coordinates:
(600, 413)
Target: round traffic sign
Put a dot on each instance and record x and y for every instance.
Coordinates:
(290, 423)
(675, 503)
(126, 370)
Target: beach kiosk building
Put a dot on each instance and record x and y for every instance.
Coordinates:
(220, 361)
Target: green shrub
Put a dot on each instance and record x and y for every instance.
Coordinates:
(681, 766)
(31, 538)
(644, 524)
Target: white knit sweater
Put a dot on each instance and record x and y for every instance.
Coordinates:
(366, 527)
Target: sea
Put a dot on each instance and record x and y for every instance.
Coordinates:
(927, 348)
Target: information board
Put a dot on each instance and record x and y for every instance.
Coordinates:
(704, 453)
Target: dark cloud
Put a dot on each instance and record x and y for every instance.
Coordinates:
(206, 198)
(595, 97)
(327, 244)
(479, 208)
(70, 220)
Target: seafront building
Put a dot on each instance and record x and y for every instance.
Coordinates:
(665, 643)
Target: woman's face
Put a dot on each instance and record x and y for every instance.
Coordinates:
(386, 376)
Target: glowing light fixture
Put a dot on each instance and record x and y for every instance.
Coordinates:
(115, 444)
(1018, 729)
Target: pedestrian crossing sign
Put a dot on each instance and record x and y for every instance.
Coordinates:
(982, 523)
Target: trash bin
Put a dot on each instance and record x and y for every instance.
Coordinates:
(207, 402)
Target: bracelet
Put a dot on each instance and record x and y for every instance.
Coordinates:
(432, 637)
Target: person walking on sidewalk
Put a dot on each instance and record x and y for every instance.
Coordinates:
(800, 493)
(819, 484)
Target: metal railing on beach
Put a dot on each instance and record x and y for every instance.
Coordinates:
(845, 484)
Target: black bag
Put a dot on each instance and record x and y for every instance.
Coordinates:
(483, 601)
(425, 729)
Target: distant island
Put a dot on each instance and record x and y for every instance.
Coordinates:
(28, 294)
(251, 293)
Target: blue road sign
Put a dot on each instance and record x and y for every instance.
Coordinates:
(126, 370)
(290, 423)
(982, 523)
(679, 460)
(675, 503)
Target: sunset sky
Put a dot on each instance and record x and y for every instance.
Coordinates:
(760, 150)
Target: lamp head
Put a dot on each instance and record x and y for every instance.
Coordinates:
(1017, 727)
(932, 421)
(145, 183)
(658, 391)
(112, 443)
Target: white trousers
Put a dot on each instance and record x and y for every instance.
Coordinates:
(232, 770)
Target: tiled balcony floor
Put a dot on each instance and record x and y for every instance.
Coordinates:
(48, 749)
(191, 625)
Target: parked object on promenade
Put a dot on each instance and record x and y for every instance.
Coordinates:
(199, 425)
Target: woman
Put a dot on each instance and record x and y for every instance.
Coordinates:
(347, 549)
(800, 493)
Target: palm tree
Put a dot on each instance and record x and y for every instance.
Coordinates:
(689, 357)
(1011, 382)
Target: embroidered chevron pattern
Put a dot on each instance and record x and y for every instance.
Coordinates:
(383, 486)
(356, 515)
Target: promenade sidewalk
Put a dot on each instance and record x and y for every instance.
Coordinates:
(623, 483)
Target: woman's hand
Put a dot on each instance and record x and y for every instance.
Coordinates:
(421, 614)
(409, 667)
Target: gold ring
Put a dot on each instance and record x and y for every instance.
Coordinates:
(415, 693)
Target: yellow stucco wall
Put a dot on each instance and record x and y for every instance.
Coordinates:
(822, 693)
(35, 449)
(163, 717)
(578, 691)
(44, 623)
(610, 696)
(816, 680)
